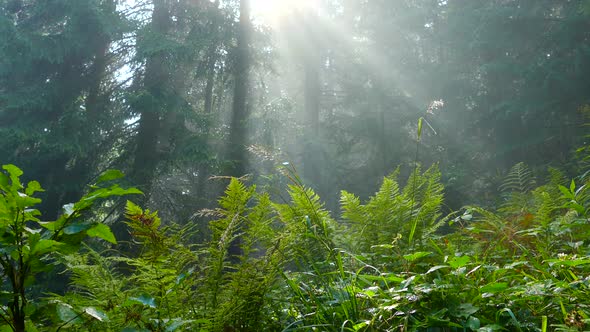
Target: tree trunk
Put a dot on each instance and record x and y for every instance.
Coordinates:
(312, 154)
(238, 135)
(238, 139)
(155, 81)
(203, 169)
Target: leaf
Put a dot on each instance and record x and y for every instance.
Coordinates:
(66, 313)
(68, 209)
(416, 255)
(420, 127)
(566, 193)
(493, 287)
(33, 187)
(473, 323)
(114, 190)
(175, 323)
(574, 262)
(436, 268)
(24, 201)
(51, 225)
(45, 246)
(457, 262)
(143, 299)
(102, 231)
(3, 180)
(490, 328)
(361, 325)
(466, 309)
(30, 326)
(386, 277)
(132, 209)
(14, 173)
(76, 228)
(96, 314)
(111, 174)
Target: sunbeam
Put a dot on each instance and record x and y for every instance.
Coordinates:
(271, 12)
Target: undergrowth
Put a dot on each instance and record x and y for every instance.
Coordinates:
(392, 263)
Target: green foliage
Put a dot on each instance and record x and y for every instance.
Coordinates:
(155, 294)
(271, 266)
(496, 271)
(29, 245)
(237, 286)
(394, 214)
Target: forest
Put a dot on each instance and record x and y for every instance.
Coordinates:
(294, 165)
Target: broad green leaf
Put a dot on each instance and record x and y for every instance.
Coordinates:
(459, 261)
(467, 217)
(175, 324)
(50, 225)
(45, 246)
(370, 291)
(4, 180)
(566, 193)
(30, 326)
(114, 190)
(96, 314)
(102, 231)
(361, 325)
(111, 174)
(34, 238)
(68, 209)
(473, 323)
(493, 287)
(407, 282)
(466, 309)
(24, 201)
(76, 228)
(143, 299)
(33, 187)
(66, 313)
(416, 255)
(14, 173)
(118, 191)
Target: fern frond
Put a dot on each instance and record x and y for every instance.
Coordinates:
(413, 211)
(519, 179)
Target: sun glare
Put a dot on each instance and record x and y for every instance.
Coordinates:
(272, 11)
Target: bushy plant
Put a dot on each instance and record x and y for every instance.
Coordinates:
(29, 245)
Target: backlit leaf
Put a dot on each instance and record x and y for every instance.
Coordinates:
(416, 255)
(111, 174)
(96, 314)
(102, 231)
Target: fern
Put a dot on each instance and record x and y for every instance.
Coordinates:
(516, 188)
(153, 295)
(519, 179)
(238, 287)
(411, 212)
